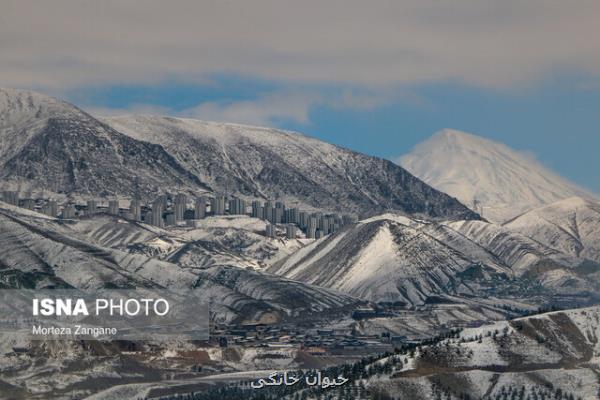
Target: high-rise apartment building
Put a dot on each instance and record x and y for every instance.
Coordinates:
(180, 207)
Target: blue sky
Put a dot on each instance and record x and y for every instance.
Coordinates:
(377, 76)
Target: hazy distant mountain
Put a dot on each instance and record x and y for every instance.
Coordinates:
(571, 226)
(504, 181)
(271, 163)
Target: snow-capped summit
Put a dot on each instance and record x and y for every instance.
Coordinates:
(22, 114)
(18, 104)
(503, 181)
(49, 144)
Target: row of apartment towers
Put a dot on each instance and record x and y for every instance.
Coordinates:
(168, 210)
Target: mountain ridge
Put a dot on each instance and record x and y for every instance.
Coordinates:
(272, 163)
(49, 144)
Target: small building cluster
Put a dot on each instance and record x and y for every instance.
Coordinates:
(316, 341)
(167, 210)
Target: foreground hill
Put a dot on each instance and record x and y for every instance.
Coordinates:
(551, 356)
(505, 182)
(392, 258)
(41, 252)
(571, 226)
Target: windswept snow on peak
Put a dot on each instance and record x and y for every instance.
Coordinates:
(505, 182)
(571, 226)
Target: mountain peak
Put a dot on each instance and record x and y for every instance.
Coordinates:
(20, 98)
(463, 139)
(17, 106)
(453, 134)
(484, 173)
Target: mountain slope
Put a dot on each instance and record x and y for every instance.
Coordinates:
(226, 240)
(504, 181)
(49, 144)
(23, 114)
(42, 252)
(270, 163)
(571, 226)
(392, 258)
(552, 355)
(382, 260)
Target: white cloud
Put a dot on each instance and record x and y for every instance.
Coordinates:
(505, 44)
(267, 109)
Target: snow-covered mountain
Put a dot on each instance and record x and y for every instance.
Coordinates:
(505, 182)
(392, 258)
(23, 114)
(270, 163)
(571, 226)
(380, 260)
(49, 144)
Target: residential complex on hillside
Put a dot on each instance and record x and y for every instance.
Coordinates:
(172, 210)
